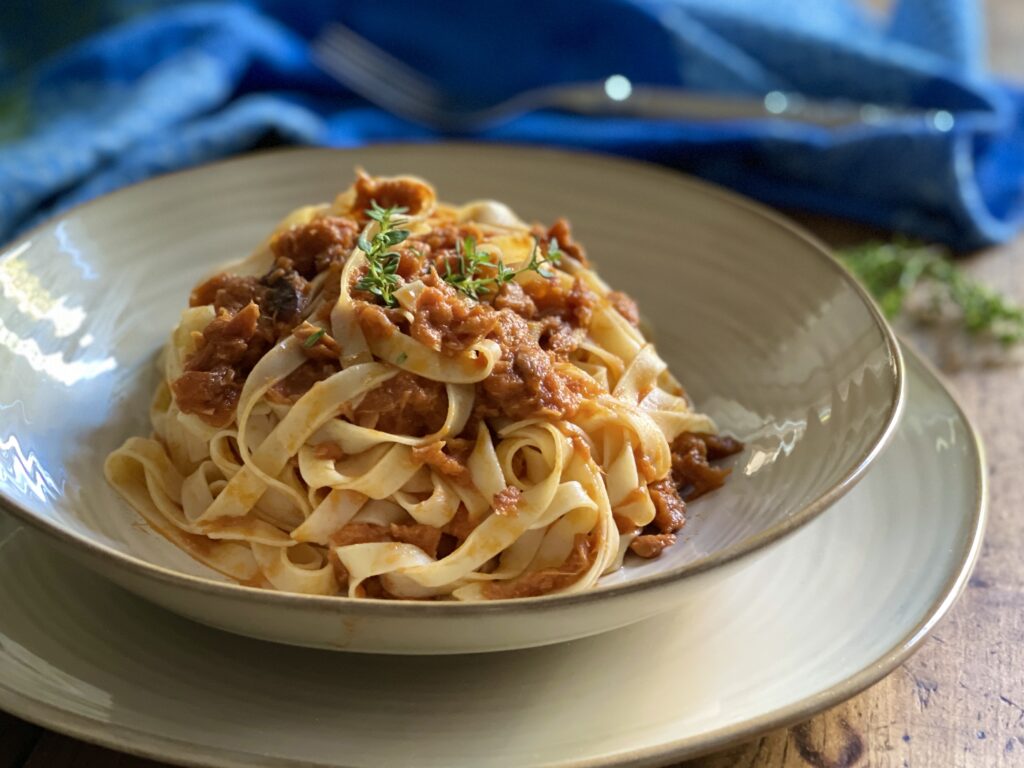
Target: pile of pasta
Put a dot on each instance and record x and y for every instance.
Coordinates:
(261, 502)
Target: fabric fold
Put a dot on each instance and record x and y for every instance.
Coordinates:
(185, 85)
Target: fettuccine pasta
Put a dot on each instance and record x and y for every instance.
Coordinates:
(397, 398)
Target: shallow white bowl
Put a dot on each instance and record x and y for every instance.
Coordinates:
(766, 331)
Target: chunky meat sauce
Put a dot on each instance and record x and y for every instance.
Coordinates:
(444, 322)
(312, 248)
(426, 537)
(691, 457)
(254, 313)
(561, 233)
(506, 500)
(436, 542)
(537, 323)
(650, 545)
(528, 380)
(405, 404)
(214, 374)
(692, 476)
(387, 193)
(316, 344)
(547, 579)
(299, 381)
(451, 464)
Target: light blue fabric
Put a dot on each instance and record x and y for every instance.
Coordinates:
(192, 83)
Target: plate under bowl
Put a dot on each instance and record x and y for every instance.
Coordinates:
(829, 611)
(766, 331)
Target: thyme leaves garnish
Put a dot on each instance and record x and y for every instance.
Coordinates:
(381, 278)
(476, 275)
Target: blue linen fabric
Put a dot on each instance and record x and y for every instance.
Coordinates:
(187, 84)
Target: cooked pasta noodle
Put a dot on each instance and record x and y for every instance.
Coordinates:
(397, 398)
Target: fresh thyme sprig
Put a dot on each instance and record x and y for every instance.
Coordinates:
(381, 278)
(313, 338)
(891, 271)
(554, 257)
(470, 279)
(467, 277)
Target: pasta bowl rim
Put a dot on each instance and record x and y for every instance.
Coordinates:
(373, 606)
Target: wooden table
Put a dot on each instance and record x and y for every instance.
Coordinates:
(959, 701)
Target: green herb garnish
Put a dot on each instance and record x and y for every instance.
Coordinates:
(381, 278)
(469, 279)
(402, 357)
(891, 271)
(313, 338)
(554, 257)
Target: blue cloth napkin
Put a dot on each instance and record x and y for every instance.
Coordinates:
(192, 83)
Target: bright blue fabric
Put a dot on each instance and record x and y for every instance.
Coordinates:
(193, 83)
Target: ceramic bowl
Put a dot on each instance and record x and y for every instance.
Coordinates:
(766, 331)
(837, 606)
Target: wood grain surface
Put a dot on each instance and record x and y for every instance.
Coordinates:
(958, 702)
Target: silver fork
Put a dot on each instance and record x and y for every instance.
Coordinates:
(382, 79)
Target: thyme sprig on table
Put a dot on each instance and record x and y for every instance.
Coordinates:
(381, 278)
(893, 271)
(469, 275)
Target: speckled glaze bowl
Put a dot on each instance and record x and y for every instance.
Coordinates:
(766, 331)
